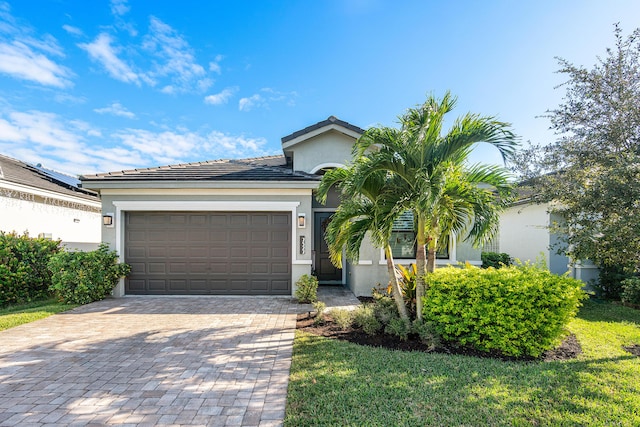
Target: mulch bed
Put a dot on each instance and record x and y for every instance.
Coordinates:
(569, 349)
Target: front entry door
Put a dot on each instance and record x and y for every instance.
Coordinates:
(327, 273)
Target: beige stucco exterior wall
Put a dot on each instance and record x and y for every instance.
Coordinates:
(223, 200)
(329, 149)
(524, 232)
(73, 220)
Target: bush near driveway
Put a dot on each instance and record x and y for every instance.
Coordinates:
(517, 310)
(84, 277)
(24, 275)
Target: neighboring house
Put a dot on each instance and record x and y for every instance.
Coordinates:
(242, 226)
(48, 204)
(525, 234)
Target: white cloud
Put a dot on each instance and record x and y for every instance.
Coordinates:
(265, 98)
(222, 97)
(119, 7)
(176, 59)
(248, 104)
(101, 51)
(26, 57)
(20, 61)
(73, 30)
(116, 109)
(215, 65)
(72, 146)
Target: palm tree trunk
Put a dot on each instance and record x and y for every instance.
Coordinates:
(421, 263)
(395, 286)
(431, 254)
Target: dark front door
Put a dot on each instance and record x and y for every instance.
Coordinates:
(327, 273)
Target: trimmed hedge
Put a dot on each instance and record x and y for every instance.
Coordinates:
(84, 277)
(23, 267)
(517, 310)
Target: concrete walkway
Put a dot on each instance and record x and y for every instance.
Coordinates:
(151, 361)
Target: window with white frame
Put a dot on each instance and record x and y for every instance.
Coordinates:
(403, 239)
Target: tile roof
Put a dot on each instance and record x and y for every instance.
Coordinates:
(270, 168)
(15, 171)
(329, 121)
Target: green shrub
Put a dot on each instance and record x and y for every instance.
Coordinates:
(341, 317)
(319, 307)
(23, 267)
(385, 309)
(427, 333)
(408, 279)
(518, 310)
(399, 328)
(84, 277)
(609, 285)
(495, 259)
(365, 317)
(631, 290)
(307, 289)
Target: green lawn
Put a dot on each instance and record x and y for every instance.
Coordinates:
(24, 313)
(339, 383)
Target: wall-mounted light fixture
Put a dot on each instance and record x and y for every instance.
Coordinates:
(302, 223)
(107, 220)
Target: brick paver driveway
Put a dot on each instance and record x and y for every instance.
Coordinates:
(153, 361)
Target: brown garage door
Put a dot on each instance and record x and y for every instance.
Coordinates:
(193, 253)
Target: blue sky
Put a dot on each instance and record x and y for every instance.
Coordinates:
(103, 85)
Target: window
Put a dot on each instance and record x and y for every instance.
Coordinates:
(403, 239)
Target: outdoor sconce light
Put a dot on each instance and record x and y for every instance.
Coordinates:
(107, 220)
(301, 220)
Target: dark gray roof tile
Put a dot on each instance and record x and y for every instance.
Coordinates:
(271, 168)
(329, 121)
(18, 172)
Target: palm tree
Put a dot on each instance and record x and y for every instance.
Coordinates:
(372, 209)
(448, 198)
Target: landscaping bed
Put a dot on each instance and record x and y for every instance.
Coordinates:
(568, 349)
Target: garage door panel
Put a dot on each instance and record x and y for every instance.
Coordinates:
(157, 235)
(279, 253)
(198, 267)
(177, 235)
(239, 268)
(279, 236)
(259, 252)
(239, 219)
(157, 252)
(259, 268)
(157, 268)
(239, 236)
(178, 219)
(260, 219)
(280, 268)
(178, 267)
(218, 235)
(280, 286)
(208, 253)
(157, 285)
(136, 252)
(219, 252)
(239, 252)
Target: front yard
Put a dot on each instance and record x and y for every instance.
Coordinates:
(339, 383)
(24, 313)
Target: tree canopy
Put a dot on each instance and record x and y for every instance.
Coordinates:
(592, 171)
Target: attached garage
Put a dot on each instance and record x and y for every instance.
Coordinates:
(208, 252)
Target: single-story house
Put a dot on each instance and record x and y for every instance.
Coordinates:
(242, 226)
(525, 234)
(48, 204)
